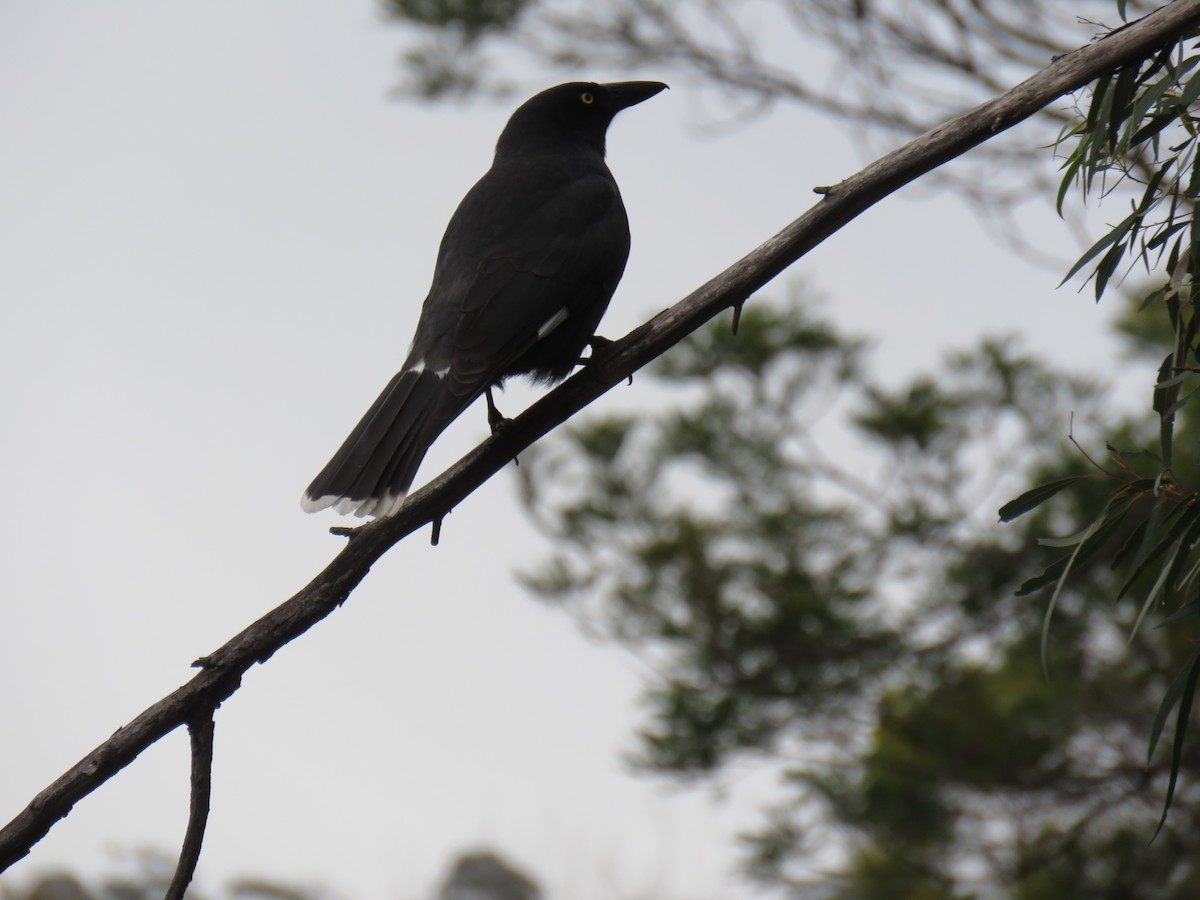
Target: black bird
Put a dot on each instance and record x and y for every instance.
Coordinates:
(526, 268)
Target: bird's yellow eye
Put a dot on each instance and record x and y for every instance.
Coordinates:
(587, 98)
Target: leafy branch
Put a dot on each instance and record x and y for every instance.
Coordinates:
(1139, 136)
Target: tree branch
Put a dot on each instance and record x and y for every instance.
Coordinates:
(221, 672)
(201, 729)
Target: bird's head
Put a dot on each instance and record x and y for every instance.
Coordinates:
(577, 113)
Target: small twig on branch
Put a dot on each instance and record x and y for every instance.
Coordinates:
(201, 729)
(223, 669)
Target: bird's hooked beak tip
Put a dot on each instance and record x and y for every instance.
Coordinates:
(631, 93)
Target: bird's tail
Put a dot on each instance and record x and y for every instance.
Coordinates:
(371, 473)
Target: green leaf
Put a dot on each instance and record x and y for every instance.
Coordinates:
(1186, 543)
(1144, 535)
(1183, 690)
(1107, 266)
(1178, 378)
(1158, 122)
(1166, 438)
(1186, 66)
(1121, 96)
(1148, 99)
(1151, 597)
(1161, 402)
(1170, 698)
(1097, 248)
(1185, 583)
(1190, 513)
(1151, 195)
(1165, 234)
(1034, 498)
(1048, 575)
(1173, 258)
(1071, 169)
(1091, 530)
(1069, 541)
(1181, 402)
(1136, 537)
(1087, 544)
(1098, 123)
(1190, 92)
(1143, 484)
(1099, 93)
(1187, 613)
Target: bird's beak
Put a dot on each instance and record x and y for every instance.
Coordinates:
(624, 94)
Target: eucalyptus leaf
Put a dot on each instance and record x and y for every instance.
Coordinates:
(1034, 498)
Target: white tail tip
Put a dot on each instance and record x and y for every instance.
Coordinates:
(368, 506)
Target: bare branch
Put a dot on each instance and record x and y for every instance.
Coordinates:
(221, 672)
(201, 728)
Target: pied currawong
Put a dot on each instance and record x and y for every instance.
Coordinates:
(525, 271)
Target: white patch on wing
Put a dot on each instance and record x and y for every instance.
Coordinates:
(419, 366)
(553, 322)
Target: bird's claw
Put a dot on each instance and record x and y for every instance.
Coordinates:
(601, 347)
(496, 420)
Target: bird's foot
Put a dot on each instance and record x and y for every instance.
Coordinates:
(496, 420)
(601, 347)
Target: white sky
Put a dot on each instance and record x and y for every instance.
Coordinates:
(216, 231)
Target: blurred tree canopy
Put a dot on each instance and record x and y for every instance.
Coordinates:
(893, 68)
(906, 64)
(482, 875)
(146, 877)
(473, 875)
(809, 560)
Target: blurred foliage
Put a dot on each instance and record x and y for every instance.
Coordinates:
(482, 875)
(474, 875)
(805, 555)
(933, 52)
(895, 68)
(449, 60)
(145, 876)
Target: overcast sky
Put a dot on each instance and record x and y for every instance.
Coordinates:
(216, 230)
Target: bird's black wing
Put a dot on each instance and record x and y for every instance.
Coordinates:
(540, 279)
